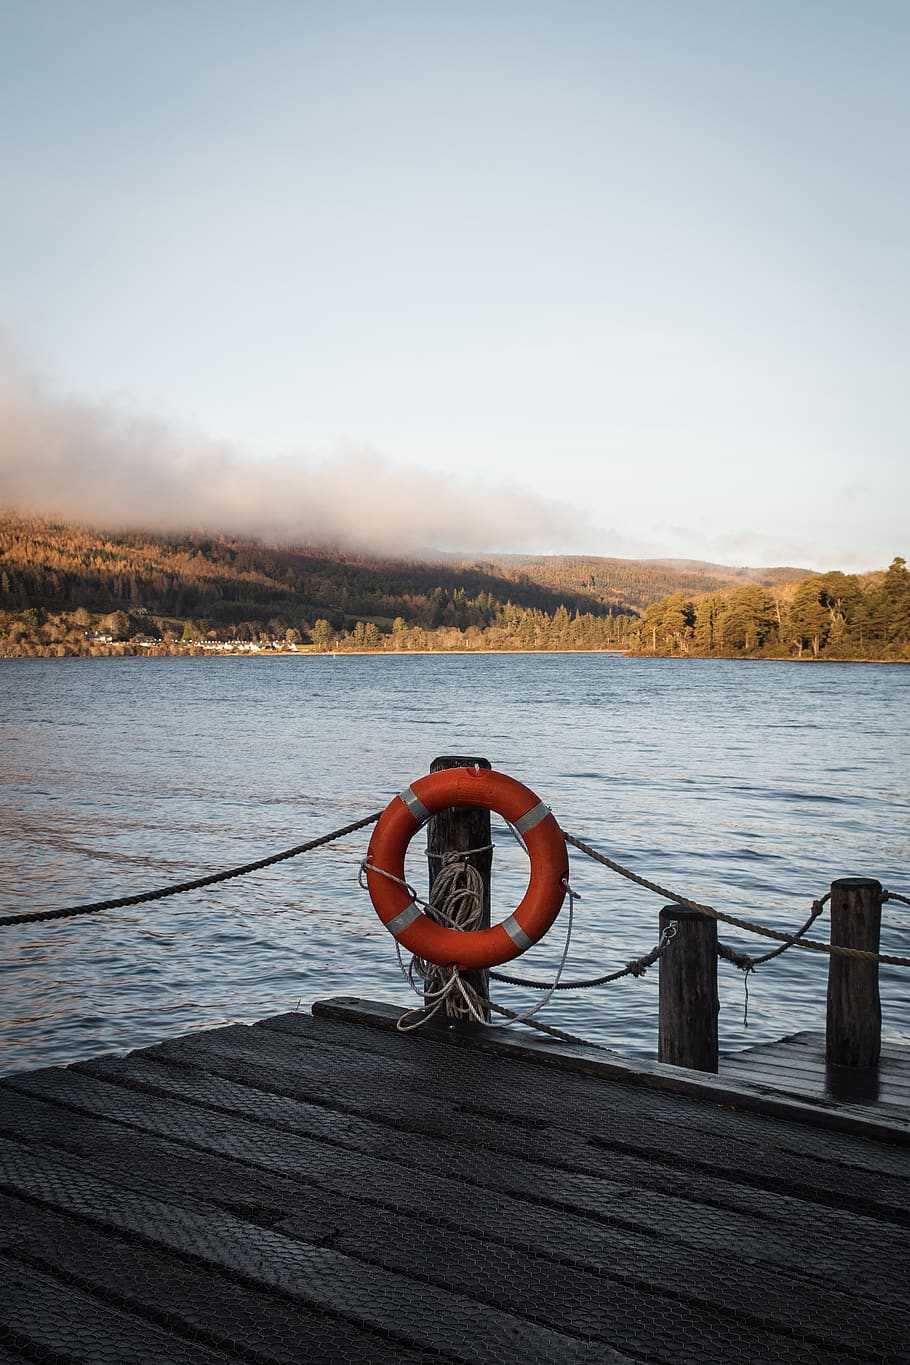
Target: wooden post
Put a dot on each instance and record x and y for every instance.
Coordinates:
(688, 1005)
(455, 830)
(854, 1023)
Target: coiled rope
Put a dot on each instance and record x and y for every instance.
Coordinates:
(474, 1007)
(457, 902)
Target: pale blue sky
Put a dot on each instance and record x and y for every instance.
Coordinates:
(647, 261)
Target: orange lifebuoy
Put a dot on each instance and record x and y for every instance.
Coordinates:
(394, 902)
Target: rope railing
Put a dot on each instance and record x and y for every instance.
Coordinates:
(120, 902)
(457, 901)
(789, 940)
(746, 963)
(635, 967)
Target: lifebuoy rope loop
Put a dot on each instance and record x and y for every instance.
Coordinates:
(402, 911)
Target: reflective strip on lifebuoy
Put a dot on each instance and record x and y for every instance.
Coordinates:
(392, 899)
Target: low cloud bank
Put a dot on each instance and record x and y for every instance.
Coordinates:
(95, 466)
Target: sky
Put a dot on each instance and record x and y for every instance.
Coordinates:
(554, 276)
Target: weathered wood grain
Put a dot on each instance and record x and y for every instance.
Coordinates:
(688, 1004)
(854, 1013)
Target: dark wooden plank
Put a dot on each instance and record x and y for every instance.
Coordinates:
(727, 1286)
(543, 1152)
(414, 1313)
(306, 1168)
(714, 1230)
(674, 1080)
(792, 1067)
(388, 1239)
(801, 1069)
(396, 1046)
(731, 1214)
(769, 1154)
(813, 1042)
(633, 1173)
(617, 1305)
(147, 1163)
(835, 1087)
(799, 1056)
(601, 1115)
(173, 1293)
(46, 1319)
(815, 1039)
(519, 1084)
(810, 1072)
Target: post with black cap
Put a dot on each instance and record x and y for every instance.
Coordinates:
(853, 1031)
(458, 830)
(688, 1004)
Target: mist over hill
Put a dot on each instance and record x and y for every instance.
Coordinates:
(50, 564)
(637, 582)
(726, 573)
(73, 589)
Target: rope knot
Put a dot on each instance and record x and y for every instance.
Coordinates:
(457, 855)
(743, 961)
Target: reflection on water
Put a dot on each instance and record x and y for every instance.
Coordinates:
(749, 786)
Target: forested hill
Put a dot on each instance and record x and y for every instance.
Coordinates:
(67, 589)
(822, 616)
(636, 583)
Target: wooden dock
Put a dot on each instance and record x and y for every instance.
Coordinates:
(322, 1189)
(796, 1067)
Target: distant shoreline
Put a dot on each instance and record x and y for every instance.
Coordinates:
(442, 653)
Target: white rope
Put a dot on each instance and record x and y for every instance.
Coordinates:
(458, 895)
(446, 988)
(528, 1015)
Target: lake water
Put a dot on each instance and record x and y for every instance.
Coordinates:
(746, 785)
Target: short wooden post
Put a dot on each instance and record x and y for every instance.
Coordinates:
(454, 831)
(853, 1033)
(688, 1005)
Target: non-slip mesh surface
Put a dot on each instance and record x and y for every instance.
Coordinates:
(312, 1190)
